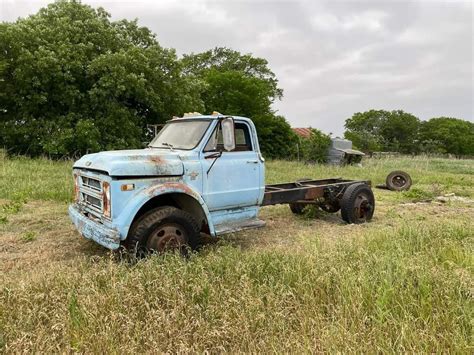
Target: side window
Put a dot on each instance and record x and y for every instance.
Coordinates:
(242, 137)
(243, 141)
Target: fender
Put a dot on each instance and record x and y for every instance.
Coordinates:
(128, 214)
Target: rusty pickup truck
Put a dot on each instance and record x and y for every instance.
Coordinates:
(200, 174)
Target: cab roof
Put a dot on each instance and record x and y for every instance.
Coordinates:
(208, 117)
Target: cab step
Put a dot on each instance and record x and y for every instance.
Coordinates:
(239, 225)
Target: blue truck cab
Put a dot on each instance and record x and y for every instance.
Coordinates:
(200, 174)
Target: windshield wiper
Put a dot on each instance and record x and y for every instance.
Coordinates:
(165, 145)
(170, 146)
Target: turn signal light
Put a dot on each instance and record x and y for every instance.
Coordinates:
(127, 187)
(76, 188)
(106, 198)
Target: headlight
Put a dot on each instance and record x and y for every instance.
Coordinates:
(106, 198)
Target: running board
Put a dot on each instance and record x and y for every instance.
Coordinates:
(239, 225)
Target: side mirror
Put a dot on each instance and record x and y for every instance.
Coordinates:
(228, 133)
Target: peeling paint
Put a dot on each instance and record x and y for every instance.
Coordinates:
(90, 229)
(143, 162)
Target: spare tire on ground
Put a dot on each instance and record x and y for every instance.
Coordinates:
(398, 181)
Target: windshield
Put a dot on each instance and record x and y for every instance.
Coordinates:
(180, 134)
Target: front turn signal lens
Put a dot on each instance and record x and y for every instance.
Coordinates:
(76, 188)
(106, 198)
(127, 187)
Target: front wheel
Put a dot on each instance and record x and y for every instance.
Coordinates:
(161, 230)
(297, 208)
(357, 203)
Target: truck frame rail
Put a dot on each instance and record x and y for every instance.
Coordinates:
(308, 191)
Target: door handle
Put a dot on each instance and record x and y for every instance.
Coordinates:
(252, 161)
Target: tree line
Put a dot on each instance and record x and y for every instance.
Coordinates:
(73, 81)
(399, 131)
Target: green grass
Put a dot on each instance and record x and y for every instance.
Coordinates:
(402, 283)
(52, 180)
(35, 179)
(28, 236)
(390, 291)
(433, 175)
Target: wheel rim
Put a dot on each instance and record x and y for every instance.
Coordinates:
(399, 181)
(362, 207)
(167, 237)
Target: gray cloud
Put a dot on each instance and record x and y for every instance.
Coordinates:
(333, 58)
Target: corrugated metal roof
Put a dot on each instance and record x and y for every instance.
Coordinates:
(302, 132)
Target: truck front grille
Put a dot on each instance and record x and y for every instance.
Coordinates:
(91, 194)
(91, 183)
(94, 201)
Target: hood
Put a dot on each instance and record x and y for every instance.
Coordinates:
(137, 162)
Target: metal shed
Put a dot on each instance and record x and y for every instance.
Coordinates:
(340, 152)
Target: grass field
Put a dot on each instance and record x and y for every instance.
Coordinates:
(403, 282)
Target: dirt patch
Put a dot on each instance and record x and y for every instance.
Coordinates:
(41, 233)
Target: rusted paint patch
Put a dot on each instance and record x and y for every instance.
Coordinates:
(156, 159)
(313, 193)
(193, 175)
(105, 198)
(172, 186)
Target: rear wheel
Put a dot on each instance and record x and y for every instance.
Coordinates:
(161, 230)
(357, 204)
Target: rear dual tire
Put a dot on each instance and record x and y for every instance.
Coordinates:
(357, 204)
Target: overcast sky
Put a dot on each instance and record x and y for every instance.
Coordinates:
(332, 58)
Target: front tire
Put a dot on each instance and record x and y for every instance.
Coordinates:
(161, 230)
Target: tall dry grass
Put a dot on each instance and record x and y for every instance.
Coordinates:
(402, 283)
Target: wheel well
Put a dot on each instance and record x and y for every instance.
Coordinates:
(179, 200)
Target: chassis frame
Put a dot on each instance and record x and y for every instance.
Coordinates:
(308, 191)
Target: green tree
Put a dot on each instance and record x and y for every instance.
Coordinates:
(225, 59)
(276, 138)
(448, 135)
(365, 141)
(315, 148)
(399, 131)
(73, 81)
(240, 84)
(363, 129)
(379, 129)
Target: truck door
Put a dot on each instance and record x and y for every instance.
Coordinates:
(234, 181)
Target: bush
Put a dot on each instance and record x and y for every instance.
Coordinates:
(315, 148)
